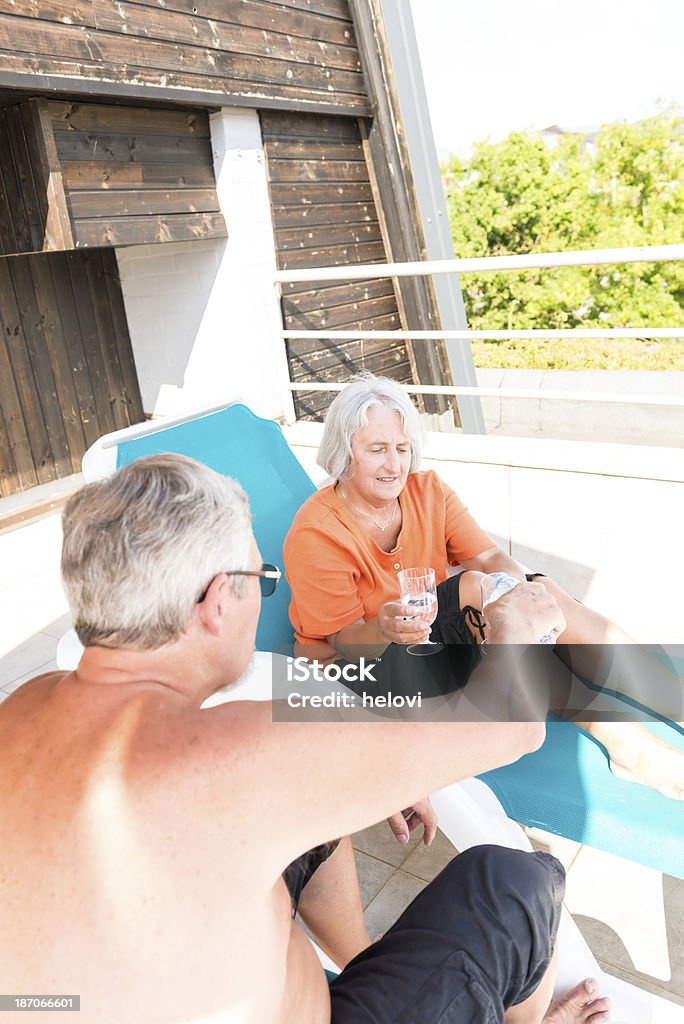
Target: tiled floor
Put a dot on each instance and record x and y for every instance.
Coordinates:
(632, 917)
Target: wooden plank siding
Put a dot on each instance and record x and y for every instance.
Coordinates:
(32, 208)
(66, 364)
(134, 175)
(291, 54)
(324, 215)
(75, 174)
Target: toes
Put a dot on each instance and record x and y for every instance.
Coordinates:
(580, 1005)
(597, 1012)
(582, 993)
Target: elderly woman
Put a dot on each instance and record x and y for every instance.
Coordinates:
(380, 515)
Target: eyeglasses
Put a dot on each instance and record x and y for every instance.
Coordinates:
(268, 579)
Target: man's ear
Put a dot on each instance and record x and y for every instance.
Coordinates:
(213, 608)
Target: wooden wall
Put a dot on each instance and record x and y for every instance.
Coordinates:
(66, 366)
(324, 215)
(22, 224)
(75, 174)
(296, 54)
(135, 175)
(33, 214)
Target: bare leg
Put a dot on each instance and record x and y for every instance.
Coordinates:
(581, 1004)
(607, 656)
(330, 906)
(636, 754)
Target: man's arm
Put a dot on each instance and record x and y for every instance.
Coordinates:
(297, 784)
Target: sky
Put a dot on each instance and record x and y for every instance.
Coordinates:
(495, 66)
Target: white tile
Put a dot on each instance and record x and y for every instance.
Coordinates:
(26, 657)
(39, 670)
(59, 627)
(28, 552)
(483, 489)
(28, 607)
(659, 463)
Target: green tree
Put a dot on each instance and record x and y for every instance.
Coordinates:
(520, 196)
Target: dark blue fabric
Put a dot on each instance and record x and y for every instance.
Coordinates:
(476, 941)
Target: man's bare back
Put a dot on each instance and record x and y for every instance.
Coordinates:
(149, 906)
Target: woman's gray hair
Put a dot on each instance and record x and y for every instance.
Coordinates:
(141, 547)
(349, 413)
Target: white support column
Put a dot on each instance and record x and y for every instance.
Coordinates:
(401, 39)
(252, 329)
(204, 317)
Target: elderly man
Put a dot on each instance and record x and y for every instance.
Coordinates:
(145, 839)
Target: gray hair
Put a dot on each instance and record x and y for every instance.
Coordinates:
(141, 546)
(349, 413)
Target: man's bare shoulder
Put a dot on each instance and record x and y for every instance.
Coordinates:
(214, 737)
(164, 735)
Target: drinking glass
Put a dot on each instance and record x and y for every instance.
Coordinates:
(419, 593)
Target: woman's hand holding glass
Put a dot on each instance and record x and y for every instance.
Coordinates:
(399, 628)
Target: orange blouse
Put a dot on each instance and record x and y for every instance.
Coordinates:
(337, 572)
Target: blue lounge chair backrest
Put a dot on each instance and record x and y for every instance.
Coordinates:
(237, 443)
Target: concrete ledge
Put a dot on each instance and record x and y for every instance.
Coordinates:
(587, 421)
(602, 458)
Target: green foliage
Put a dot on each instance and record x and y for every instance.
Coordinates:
(580, 354)
(519, 196)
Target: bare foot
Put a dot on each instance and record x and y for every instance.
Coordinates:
(636, 755)
(578, 1005)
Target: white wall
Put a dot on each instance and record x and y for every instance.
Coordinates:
(203, 316)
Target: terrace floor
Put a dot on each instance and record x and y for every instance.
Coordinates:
(631, 916)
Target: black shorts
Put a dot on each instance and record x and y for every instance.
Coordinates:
(297, 874)
(476, 941)
(403, 674)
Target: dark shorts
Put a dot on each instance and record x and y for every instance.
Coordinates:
(404, 674)
(300, 871)
(476, 941)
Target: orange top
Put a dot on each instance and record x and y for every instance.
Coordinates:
(337, 572)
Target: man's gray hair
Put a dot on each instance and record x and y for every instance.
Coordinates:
(349, 413)
(142, 546)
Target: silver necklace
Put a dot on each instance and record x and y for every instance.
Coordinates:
(369, 516)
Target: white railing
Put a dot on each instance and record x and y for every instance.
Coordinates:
(583, 257)
(530, 261)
